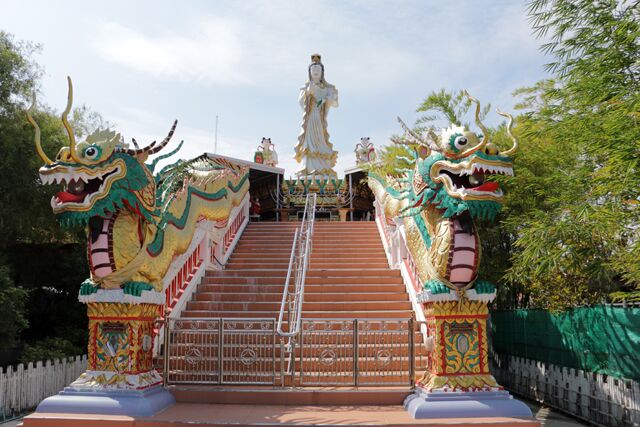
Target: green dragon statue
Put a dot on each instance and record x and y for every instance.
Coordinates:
(438, 200)
(137, 222)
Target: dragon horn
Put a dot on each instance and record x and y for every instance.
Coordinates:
(39, 149)
(149, 149)
(166, 140)
(137, 151)
(485, 132)
(513, 149)
(65, 122)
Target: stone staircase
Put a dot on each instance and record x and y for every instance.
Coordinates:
(348, 278)
(348, 275)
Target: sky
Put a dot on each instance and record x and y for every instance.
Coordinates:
(142, 64)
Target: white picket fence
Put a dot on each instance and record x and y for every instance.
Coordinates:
(23, 388)
(598, 399)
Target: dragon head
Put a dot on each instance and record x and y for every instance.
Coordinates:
(98, 175)
(451, 169)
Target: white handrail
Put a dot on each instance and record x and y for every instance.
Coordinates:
(298, 264)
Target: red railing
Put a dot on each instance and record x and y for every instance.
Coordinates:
(229, 235)
(183, 276)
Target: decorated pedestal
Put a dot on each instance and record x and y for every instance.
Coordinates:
(457, 381)
(120, 379)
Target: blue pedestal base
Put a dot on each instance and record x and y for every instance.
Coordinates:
(133, 403)
(423, 404)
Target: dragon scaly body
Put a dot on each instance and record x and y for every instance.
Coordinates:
(438, 201)
(137, 222)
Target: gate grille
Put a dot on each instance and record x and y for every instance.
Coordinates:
(330, 352)
(220, 351)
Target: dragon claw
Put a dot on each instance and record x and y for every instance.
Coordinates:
(135, 288)
(484, 287)
(88, 288)
(436, 287)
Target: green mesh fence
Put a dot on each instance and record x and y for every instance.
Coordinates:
(601, 339)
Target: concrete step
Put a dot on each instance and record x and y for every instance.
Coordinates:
(314, 264)
(399, 314)
(309, 296)
(396, 280)
(321, 277)
(271, 396)
(336, 265)
(309, 288)
(311, 272)
(257, 254)
(327, 305)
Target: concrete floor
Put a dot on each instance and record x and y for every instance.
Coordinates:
(552, 418)
(548, 417)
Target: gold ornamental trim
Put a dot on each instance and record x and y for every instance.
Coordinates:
(122, 311)
(464, 383)
(460, 308)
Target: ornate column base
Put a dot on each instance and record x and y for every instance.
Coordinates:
(423, 404)
(134, 403)
(457, 382)
(120, 379)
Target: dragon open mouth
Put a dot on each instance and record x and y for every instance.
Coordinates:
(81, 188)
(467, 180)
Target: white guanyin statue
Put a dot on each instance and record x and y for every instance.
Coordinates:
(313, 149)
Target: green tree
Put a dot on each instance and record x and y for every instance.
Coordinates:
(45, 295)
(583, 239)
(12, 307)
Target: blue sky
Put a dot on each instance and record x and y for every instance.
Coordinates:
(141, 64)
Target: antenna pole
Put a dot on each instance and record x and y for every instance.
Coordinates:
(215, 146)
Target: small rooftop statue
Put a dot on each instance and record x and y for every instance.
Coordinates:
(266, 153)
(365, 151)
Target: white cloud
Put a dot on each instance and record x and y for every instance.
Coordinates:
(213, 53)
(261, 45)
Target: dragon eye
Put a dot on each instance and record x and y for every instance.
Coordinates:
(460, 142)
(91, 152)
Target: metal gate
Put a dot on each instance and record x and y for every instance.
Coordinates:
(220, 351)
(327, 352)
(358, 352)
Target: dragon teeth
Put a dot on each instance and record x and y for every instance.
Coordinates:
(489, 169)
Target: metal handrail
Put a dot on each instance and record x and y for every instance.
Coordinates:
(292, 301)
(298, 264)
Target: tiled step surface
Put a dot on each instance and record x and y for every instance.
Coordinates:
(348, 275)
(336, 396)
(348, 278)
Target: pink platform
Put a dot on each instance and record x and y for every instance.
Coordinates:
(209, 415)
